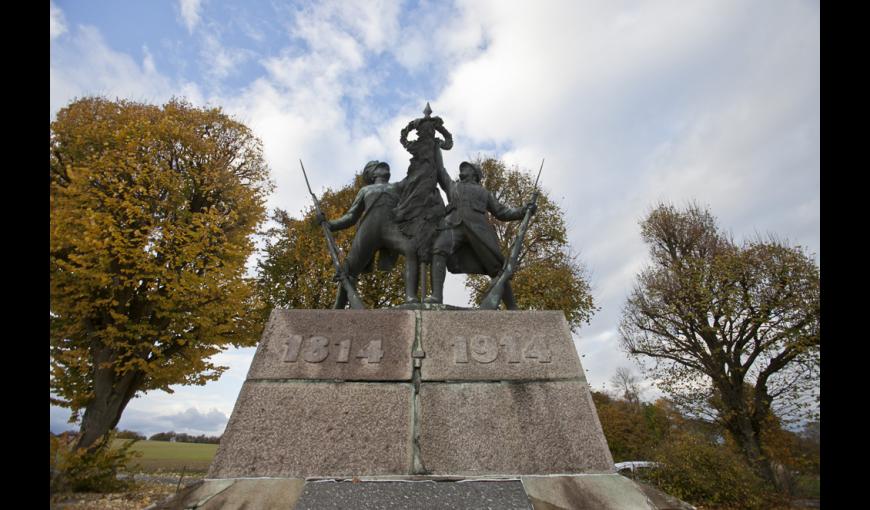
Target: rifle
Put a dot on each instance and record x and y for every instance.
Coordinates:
(492, 298)
(334, 251)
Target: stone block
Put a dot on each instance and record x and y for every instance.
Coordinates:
(262, 494)
(401, 495)
(347, 345)
(494, 345)
(299, 429)
(585, 492)
(510, 428)
(193, 496)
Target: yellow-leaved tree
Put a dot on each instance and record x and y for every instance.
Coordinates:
(152, 213)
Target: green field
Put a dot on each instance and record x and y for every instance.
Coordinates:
(166, 456)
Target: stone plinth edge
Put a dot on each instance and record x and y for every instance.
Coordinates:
(562, 492)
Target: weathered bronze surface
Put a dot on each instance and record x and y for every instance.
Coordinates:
(467, 242)
(377, 231)
(410, 218)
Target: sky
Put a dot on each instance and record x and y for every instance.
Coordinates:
(631, 103)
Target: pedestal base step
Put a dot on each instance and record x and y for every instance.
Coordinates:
(568, 492)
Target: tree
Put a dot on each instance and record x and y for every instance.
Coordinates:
(297, 271)
(627, 385)
(549, 275)
(162, 436)
(633, 431)
(129, 434)
(732, 330)
(812, 432)
(707, 474)
(152, 211)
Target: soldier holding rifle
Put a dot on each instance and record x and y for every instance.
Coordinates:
(372, 210)
(467, 242)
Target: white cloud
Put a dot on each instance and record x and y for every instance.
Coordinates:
(195, 421)
(630, 104)
(716, 102)
(83, 65)
(188, 421)
(439, 36)
(298, 108)
(148, 65)
(57, 22)
(192, 409)
(372, 23)
(190, 10)
(220, 61)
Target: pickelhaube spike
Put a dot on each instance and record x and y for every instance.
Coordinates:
(428, 110)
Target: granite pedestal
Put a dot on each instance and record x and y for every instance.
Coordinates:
(417, 396)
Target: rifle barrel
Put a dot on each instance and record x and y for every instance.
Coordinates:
(539, 173)
(306, 181)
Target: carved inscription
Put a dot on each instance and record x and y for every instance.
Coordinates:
(486, 349)
(372, 352)
(343, 351)
(460, 350)
(291, 348)
(316, 349)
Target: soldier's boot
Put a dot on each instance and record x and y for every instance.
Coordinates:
(411, 281)
(507, 297)
(439, 273)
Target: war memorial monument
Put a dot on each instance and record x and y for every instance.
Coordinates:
(424, 405)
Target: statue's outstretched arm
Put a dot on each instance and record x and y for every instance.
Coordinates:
(503, 212)
(443, 177)
(352, 215)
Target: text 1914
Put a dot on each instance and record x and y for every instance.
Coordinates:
(486, 349)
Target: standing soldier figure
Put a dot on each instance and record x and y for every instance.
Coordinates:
(372, 210)
(467, 242)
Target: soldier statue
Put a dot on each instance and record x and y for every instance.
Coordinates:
(373, 210)
(409, 218)
(467, 242)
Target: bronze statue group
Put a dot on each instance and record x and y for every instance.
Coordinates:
(409, 218)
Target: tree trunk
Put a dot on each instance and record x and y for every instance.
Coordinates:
(742, 427)
(748, 439)
(111, 395)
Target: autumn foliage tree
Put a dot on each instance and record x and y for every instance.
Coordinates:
(633, 429)
(691, 460)
(732, 330)
(152, 212)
